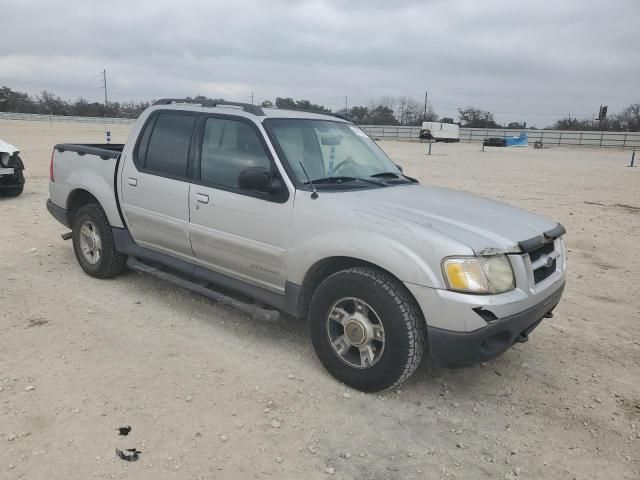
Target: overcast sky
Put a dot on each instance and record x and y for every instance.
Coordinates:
(531, 61)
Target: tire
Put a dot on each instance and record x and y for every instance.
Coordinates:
(107, 263)
(12, 191)
(396, 357)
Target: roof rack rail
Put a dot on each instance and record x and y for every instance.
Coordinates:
(341, 116)
(247, 107)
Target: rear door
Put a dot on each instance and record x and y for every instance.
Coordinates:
(237, 232)
(155, 185)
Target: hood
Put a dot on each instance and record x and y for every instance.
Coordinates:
(6, 147)
(484, 225)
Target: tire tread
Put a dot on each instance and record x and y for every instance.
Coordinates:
(116, 261)
(411, 316)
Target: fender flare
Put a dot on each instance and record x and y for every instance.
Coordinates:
(374, 248)
(100, 189)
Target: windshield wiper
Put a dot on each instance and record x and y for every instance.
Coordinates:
(342, 179)
(394, 175)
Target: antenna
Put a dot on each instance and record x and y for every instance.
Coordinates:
(314, 195)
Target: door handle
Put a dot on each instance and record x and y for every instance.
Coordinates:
(202, 198)
(132, 181)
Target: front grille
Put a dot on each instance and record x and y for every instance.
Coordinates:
(544, 272)
(546, 249)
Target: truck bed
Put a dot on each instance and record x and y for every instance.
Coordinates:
(90, 168)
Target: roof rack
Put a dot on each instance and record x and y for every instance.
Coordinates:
(247, 107)
(340, 116)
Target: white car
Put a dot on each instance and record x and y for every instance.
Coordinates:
(11, 168)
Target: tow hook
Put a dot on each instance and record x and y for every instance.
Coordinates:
(67, 236)
(549, 315)
(523, 337)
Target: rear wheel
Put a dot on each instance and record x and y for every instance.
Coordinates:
(93, 243)
(366, 329)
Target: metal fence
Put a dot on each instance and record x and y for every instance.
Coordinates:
(62, 118)
(548, 137)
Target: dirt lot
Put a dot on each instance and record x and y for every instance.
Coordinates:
(210, 393)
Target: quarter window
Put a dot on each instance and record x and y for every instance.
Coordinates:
(168, 150)
(228, 148)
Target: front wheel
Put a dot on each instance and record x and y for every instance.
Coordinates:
(93, 243)
(366, 329)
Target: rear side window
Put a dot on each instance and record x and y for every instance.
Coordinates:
(168, 150)
(228, 148)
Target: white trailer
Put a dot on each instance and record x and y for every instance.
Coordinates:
(440, 132)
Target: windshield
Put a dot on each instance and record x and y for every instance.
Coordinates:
(331, 151)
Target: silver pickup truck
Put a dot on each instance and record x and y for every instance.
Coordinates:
(284, 211)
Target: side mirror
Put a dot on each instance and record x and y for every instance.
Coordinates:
(255, 178)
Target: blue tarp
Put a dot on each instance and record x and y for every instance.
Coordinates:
(521, 141)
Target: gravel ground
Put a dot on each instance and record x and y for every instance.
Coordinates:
(210, 393)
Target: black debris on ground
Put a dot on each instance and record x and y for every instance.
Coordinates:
(132, 456)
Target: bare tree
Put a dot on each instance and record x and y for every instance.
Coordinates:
(474, 117)
(409, 111)
(630, 117)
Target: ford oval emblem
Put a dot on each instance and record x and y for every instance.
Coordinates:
(549, 261)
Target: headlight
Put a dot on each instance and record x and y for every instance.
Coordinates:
(491, 274)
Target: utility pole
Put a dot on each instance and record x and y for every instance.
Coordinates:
(104, 86)
(106, 105)
(251, 97)
(426, 97)
(346, 103)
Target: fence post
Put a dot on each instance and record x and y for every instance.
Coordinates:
(560, 139)
(580, 141)
(624, 141)
(601, 136)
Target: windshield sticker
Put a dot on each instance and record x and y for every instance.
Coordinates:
(358, 132)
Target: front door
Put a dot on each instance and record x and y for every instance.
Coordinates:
(236, 232)
(155, 185)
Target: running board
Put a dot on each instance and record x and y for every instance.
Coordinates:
(257, 312)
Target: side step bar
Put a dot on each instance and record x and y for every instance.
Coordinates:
(257, 312)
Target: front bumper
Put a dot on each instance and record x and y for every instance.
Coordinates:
(459, 349)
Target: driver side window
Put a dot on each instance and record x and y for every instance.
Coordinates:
(228, 148)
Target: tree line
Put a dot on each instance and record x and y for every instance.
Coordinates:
(48, 103)
(401, 110)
